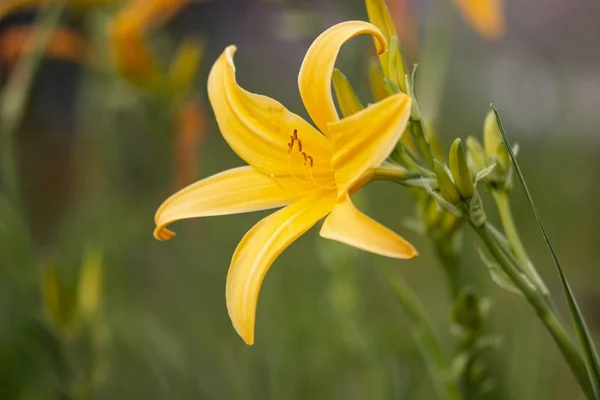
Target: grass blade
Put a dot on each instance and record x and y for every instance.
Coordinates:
(431, 350)
(589, 351)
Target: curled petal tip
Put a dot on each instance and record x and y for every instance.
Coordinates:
(244, 328)
(407, 253)
(413, 254)
(162, 233)
(230, 50)
(248, 337)
(382, 44)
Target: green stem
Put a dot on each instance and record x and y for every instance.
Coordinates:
(449, 259)
(439, 366)
(16, 93)
(512, 234)
(542, 308)
(508, 223)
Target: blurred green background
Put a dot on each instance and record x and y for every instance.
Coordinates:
(96, 156)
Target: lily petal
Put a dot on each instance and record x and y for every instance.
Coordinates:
(233, 191)
(365, 139)
(347, 225)
(314, 79)
(259, 129)
(259, 248)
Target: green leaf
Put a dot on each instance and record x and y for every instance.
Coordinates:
(484, 172)
(592, 362)
(498, 275)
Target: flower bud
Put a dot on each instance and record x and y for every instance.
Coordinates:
(447, 188)
(89, 292)
(397, 67)
(476, 154)
(56, 304)
(379, 16)
(378, 89)
(460, 170)
(184, 66)
(492, 141)
(346, 97)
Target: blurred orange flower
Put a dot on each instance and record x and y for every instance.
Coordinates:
(65, 44)
(190, 134)
(485, 16)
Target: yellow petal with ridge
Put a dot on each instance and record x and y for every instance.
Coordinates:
(365, 139)
(234, 191)
(314, 79)
(259, 248)
(347, 225)
(259, 129)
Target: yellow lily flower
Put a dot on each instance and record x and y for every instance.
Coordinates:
(294, 165)
(485, 16)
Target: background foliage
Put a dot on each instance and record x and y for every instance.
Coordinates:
(97, 155)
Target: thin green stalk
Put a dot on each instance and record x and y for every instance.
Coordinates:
(543, 310)
(439, 366)
(449, 259)
(512, 234)
(508, 223)
(16, 94)
(591, 359)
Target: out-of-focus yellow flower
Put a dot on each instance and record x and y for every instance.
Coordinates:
(485, 16)
(89, 292)
(292, 164)
(134, 58)
(127, 31)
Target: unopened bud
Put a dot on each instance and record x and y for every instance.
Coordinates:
(493, 143)
(346, 97)
(378, 89)
(57, 308)
(460, 170)
(397, 67)
(379, 15)
(90, 284)
(476, 154)
(447, 188)
(184, 66)
(392, 87)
